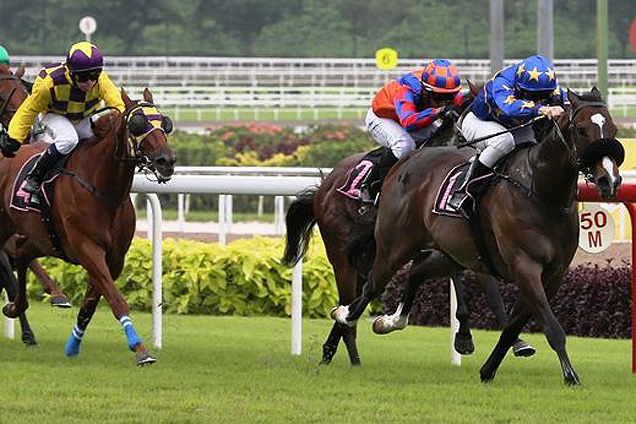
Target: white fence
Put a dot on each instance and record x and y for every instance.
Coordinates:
(275, 84)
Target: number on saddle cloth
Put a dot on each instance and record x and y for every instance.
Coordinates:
(362, 172)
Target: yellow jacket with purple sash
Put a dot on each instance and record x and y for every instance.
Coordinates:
(54, 92)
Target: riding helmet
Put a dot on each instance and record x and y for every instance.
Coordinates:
(536, 74)
(441, 76)
(83, 57)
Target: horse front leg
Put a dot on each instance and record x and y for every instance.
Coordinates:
(92, 257)
(58, 298)
(385, 324)
(490, 285)
(84, 316)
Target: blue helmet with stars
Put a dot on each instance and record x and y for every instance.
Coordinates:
(536, 73)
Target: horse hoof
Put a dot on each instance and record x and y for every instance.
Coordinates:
(144, 358)
(382, 325)
(486, 377)
(340, 314)
(10, 311)
(29, 340)
(60, 301)
(464, 345)
(522, 349)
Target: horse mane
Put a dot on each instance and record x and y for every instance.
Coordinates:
(104, 125)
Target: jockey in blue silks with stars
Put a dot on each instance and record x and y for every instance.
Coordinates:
(514, 96)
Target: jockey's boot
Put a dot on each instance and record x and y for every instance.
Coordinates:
(465, 197)
(44, 164)
(370, 188)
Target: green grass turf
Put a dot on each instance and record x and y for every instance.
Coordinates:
(239, 370)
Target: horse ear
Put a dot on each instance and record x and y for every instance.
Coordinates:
(148, 96)
(125, 98)
(473, 88)
(573, 97)
(596, 93)
(20, 72)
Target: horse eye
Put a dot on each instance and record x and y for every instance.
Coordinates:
(581, 130)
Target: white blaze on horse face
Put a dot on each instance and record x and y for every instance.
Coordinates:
(599, 120)
(608, 165)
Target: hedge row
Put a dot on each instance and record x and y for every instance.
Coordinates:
(246, 278)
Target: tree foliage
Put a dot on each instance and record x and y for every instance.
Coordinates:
(306, 28)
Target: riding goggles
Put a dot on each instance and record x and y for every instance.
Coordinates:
(92, 75)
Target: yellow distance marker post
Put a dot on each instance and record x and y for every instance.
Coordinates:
(386, 58)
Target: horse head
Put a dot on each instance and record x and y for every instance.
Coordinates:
(593, 134)
(147, 130)
(12, 92)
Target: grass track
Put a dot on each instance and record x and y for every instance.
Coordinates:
(239, 370)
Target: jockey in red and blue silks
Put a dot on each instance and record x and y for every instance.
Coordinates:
(408, 108)
(514, 96)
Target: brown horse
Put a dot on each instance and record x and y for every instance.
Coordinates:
(13, 92)
(528, 221)
(340, 219)
(91, 210)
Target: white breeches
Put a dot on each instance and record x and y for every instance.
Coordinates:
(391, 134)
(64, 133)
(494, 148)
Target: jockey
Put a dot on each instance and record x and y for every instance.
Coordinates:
(66, 94)
(408, 108)
(4, 56)
(513, 96)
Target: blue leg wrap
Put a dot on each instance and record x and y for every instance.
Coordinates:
(131, 334)
(71, 350)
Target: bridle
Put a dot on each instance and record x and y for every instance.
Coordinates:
(4, 101)
(596, 149)
(134, 143)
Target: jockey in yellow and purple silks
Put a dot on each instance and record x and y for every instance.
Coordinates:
(66, 94)
(514, 96)
(408, 108)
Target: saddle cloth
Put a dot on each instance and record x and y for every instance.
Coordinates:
(355, 177)
(451, 182)
(23, 201)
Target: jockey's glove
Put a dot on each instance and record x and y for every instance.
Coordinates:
(8, 146)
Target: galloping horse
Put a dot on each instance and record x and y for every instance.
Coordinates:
(91, 210)
(340, 219)
(528, 221)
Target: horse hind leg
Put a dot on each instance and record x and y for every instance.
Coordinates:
(463, 338)
(11, 285)
(58, 299)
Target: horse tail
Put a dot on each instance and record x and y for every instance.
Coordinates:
(361, 248)
(300, 220)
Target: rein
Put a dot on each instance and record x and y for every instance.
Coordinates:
(507, 130)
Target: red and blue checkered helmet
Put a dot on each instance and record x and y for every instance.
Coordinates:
(441, 76)
(83, 57)
(536, 73)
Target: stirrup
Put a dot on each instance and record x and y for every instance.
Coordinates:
(31, 186)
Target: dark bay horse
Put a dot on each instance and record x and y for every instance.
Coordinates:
(91, 210)
(340, 219)
(528, 221)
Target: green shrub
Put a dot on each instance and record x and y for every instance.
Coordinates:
(243, 278)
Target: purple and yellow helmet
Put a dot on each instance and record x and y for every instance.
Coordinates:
(441, 76)
(536, 73)
(83, 57)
